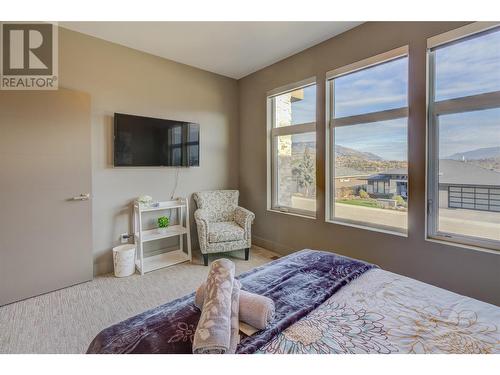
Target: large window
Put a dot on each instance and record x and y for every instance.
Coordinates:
(292, 149)
(367, 169)
(464, 136)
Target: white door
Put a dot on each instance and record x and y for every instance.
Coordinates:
(45, 234)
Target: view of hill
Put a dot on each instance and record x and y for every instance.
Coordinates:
(369, 166)
(364, 161)
(480, 153)
(350, 158)
(349, 152)
(487, 157)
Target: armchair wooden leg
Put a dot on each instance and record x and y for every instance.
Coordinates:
(247, 253)
(205, 259)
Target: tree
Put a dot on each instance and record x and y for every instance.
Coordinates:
(304, 171)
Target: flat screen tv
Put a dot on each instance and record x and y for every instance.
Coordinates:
(153, 142)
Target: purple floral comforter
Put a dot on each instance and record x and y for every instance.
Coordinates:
(297, 284)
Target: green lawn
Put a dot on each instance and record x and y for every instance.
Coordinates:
(359, 202)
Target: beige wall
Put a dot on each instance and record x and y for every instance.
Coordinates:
(120, 79)
(469, 272)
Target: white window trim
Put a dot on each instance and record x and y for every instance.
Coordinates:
(450, 106)
(332, 122)
(271, 134)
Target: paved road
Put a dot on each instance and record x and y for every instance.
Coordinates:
(389, 218)
(468, 222)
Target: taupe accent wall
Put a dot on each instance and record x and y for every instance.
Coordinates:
(120, 79)
(470, 272)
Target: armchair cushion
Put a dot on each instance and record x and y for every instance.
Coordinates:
(224, 231)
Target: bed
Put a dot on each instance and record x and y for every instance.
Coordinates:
(327, 304)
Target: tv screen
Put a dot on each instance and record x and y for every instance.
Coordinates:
(147, 142)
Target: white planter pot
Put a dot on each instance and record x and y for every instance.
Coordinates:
(162, 230)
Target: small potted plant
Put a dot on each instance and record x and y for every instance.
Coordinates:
(163, 223)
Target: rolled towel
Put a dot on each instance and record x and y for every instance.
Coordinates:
(218, 327)
(255, 310)
(235, 317)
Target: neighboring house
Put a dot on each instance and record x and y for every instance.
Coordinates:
(388, 184)
(466, 185)
(461, 185)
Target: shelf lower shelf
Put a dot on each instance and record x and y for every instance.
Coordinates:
(153, 234)
(162, 260)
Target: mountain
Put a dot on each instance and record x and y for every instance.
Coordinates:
(349, 152)
(479, 153)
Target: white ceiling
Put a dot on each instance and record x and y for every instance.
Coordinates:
(232, 49)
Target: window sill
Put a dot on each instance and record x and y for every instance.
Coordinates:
(366, 227)
(291, 213)
(454, 243)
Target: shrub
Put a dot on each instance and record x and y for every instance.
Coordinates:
(363, 194)
(399, 200)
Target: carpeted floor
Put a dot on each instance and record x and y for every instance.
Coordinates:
(65, 321)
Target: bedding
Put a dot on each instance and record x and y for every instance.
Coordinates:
(297, 283)
(326, 303)
(382, 312)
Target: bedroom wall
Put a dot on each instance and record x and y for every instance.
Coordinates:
(470, 272)
(121, 79)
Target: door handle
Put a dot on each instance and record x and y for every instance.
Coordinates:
(81, 197)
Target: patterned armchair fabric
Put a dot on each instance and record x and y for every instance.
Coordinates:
(222, 224)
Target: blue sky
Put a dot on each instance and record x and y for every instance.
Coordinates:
(466, 131)
(387, 139)
(465, 68)
(469, 67)
(381, 87)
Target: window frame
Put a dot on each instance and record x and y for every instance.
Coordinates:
(332, 122)
(272, 156)
(462, 104)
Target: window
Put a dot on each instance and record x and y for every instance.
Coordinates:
(292, 149)
(367, 166)
(463, 184)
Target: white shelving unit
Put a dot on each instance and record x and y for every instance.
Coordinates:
(181, 228)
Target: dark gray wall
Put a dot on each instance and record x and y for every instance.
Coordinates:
(469, 272)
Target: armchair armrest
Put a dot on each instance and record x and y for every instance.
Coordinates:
(202, 214)
(201, 217)
(244, 218)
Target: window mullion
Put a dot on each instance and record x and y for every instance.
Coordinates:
(390, 114)
(468, 103)
(294, 129)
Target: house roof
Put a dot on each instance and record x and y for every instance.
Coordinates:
(386, 174)
(450, 172)
(466, 173)
(348, 172)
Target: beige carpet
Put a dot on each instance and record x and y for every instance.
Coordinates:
(65, 321)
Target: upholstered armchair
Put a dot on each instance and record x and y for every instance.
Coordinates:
(222, 225)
